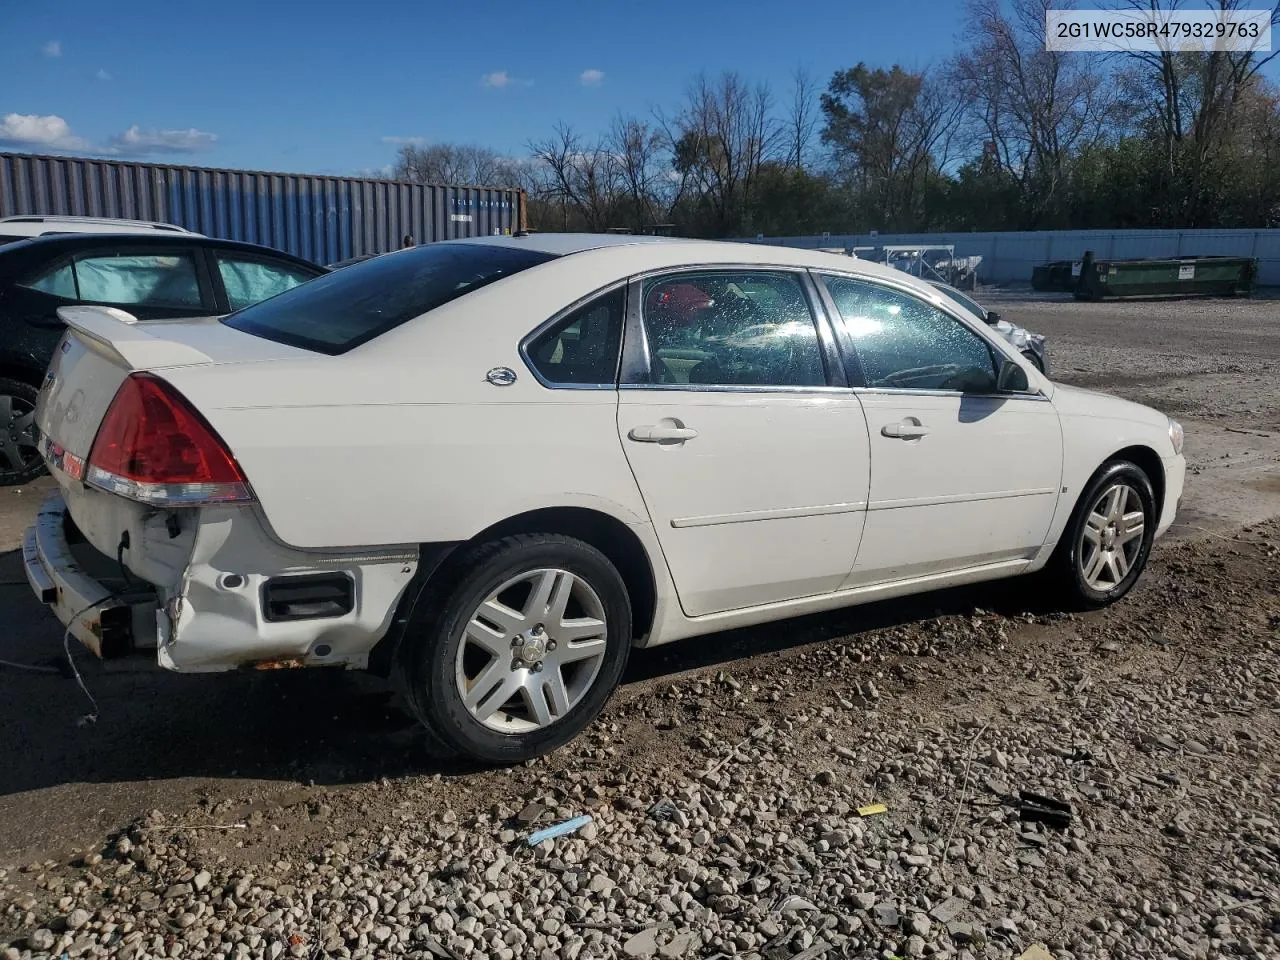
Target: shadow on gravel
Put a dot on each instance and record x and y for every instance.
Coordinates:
(330, 727)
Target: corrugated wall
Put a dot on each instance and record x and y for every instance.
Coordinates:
(321, 218)
(1009, 257)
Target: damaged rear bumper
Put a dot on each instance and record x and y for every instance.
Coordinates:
(223, 593)
(109, 622)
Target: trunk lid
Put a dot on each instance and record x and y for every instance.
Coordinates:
(103, 345)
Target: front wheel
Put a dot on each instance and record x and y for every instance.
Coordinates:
(521, 652)
(1108, 538)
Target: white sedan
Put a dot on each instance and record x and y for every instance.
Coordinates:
(491, 467)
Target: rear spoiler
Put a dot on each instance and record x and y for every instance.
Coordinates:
(118, 332)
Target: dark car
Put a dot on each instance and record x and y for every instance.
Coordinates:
(153, 277)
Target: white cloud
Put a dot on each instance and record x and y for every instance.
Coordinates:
(53, 48)
(591, 77)
(400, 141)
(500, 79)
(136, 141)
(103, 75)
(30, 130)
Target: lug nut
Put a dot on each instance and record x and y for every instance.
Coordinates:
(551, 644)
(537, 667)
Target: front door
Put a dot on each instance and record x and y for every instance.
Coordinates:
(752, 462)
(961, 475)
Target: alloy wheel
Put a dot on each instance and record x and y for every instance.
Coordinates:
(531, 651)
(1111, 538)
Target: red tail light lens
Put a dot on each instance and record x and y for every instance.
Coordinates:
(154, 447)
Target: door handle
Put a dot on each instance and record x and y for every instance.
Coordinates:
(657, 433)
(905, 430)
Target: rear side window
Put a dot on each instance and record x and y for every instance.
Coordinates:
(339, 311)
(249, 280)
(583, 347)
(60, 281)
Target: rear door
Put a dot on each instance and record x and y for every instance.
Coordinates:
(748, 447)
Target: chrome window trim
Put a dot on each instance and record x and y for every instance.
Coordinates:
(637, 361)
(558, 317)
(910, 391)
(1005, 349)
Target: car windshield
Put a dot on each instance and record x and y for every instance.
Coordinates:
(341, 310)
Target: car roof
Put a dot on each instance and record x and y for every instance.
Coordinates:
(52, 243)
(563, 244)
(34, 222)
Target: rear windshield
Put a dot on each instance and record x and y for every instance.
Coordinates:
(341, 310)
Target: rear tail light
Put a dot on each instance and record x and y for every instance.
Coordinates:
(155, 448)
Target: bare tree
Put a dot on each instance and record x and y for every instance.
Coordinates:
(890, 134)
(1192, 96)
(722, 134)
(802, 118)
(460, 163)
(637, 147)
(582, 177)
(1033, 106)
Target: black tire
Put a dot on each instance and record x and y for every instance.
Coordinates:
(429, 650)
(19, 459)
(1065, 570)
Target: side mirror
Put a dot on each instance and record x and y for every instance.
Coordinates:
(992, 317)
(1012, 378)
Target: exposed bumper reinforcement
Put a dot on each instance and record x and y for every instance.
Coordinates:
(106, 623)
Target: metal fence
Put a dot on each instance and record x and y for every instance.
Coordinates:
(1009, 257)
(324, 219)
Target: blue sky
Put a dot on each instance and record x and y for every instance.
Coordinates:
(324, 87)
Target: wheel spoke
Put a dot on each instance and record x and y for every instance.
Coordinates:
(579, 629)
(536, 702)
(482, 635)
(1119, 564)
(582, 650)
(560, 598)
(535, 609)
(10, 455)
(492, 676)
(1092, 534)
(6, 409)
(1095, 565)
(1115, 505)
(1132, 526)
(554, 689)
(511, 621)
(500, 695)
(22, 425)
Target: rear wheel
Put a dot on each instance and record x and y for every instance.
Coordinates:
(1108, 539)
(19, 459)
(521, 652)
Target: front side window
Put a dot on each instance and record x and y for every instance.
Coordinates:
(339, 311)
(583, 347)
(904, 343)
(731, 328)
(249, 281)
(160, 280)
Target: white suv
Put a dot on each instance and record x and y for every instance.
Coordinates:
(24, 227)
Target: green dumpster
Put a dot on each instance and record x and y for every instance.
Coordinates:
(1181, 276)
(1056, 275)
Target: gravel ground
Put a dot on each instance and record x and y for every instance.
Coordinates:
(725, 780)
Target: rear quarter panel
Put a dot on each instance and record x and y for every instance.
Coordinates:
(403, 440)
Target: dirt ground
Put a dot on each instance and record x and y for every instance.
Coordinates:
(195, 747)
